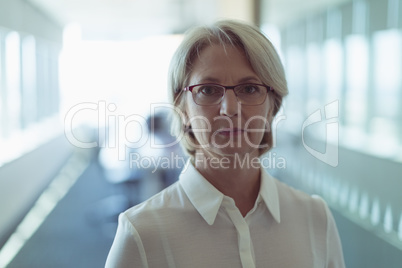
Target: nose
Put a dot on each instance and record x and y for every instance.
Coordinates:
(229, 105)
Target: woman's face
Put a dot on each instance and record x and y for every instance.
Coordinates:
(226, 128)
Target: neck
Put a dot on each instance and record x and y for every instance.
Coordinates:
(236, 176)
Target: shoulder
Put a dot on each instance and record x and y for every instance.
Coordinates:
(289, 194)
(139, 229)
(167, 205)
(295, 202)
(167, 216)
(306, 216)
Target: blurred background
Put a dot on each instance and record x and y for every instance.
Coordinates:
(83, 108)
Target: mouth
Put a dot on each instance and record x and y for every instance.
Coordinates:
(230, 131)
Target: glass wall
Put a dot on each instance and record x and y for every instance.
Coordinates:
(351, 53)
(387, 93)
(29, 93)
(13, 83)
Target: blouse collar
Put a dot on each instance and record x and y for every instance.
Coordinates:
(207, 199)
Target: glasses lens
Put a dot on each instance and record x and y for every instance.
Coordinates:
(251, 94)
(208, 94)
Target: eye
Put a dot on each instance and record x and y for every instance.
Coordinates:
(249, 89)
(209, 90)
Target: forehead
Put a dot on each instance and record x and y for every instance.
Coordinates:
(218, 62)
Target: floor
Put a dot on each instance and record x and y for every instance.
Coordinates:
(80, 230)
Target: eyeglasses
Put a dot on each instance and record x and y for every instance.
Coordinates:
(212, 94)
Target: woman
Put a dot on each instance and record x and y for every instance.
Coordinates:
(227, 81)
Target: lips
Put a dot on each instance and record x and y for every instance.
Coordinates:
(230, 131)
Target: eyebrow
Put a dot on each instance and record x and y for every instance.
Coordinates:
(249, 79)
(246, 79)
(209, 79)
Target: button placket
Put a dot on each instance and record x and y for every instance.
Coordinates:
(243, 234)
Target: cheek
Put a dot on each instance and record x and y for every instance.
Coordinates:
(200, 120)
(201, 129)
(199, 116)
(256, 130)
(258, 118)
(258, 124)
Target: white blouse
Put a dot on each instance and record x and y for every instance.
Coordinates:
(192, 224)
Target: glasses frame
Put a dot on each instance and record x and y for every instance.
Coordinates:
(190, 88)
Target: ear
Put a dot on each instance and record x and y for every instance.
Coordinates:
(187, 128)
(186, 125)
(270, 119)
(271, 111)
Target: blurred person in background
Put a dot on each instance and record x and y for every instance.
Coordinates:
(164, 147)
(227, 83)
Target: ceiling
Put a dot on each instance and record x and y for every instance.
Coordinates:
(127, 19)
(130, 19)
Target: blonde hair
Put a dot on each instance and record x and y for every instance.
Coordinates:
(259, 51)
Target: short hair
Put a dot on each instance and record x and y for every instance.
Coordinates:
(260, 53)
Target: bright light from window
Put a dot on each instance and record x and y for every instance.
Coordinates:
(29, 80)
(295, 69)
(21, 131)
(387, 84)
(130, 74)
(13, 78)
(314, 74)
(2, 98)
(333, 55)
(357, 63)
(273, 34)
(387, 70)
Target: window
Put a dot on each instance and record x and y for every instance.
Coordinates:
(12, 83)
(29, 96)
(296, 76)
(387, 64)
(27, 119)
(333, 55)
(2, 88)
(314, 74)
(357, 62)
